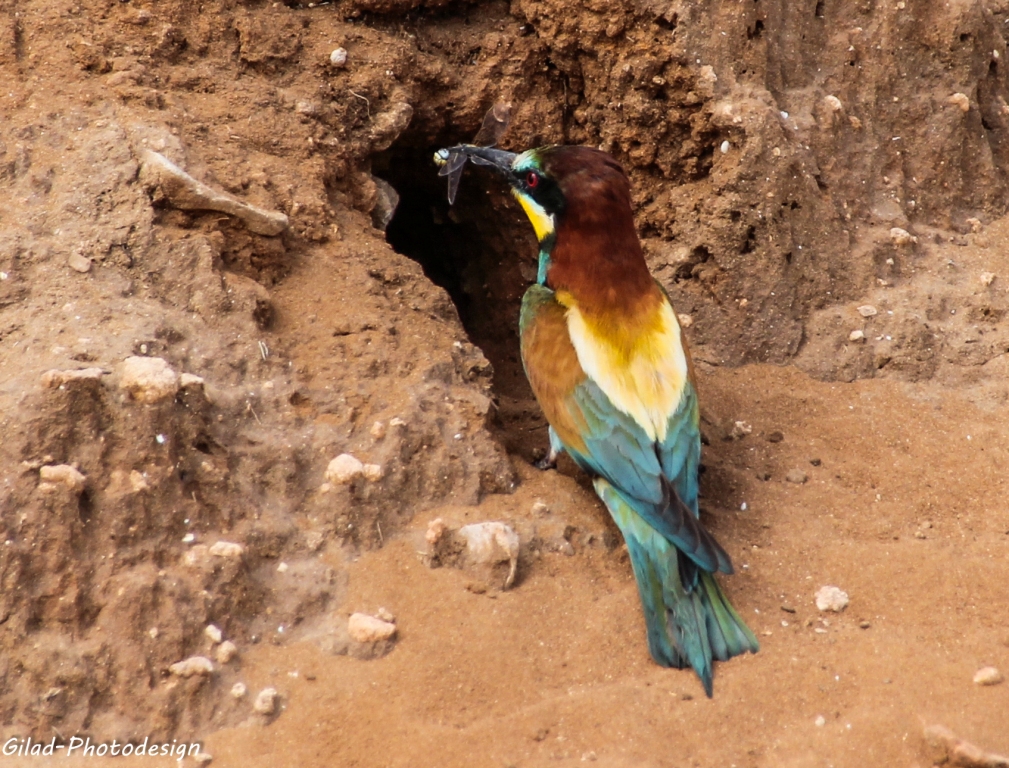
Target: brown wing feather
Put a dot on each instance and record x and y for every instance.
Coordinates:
(551, 363)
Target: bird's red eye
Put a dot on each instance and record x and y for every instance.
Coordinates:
(532, 179)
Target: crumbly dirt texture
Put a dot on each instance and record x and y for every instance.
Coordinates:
(819, 185)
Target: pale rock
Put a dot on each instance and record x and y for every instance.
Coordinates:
(65, 474)
(831, 599)
(540, 509)
(867, 310)
(238, 690)
(363, 628)
(378, 430)
(834, 103)
(266, 701)
(148, 379)
(740, 429)
(988, 676)
(338, 58)
(203, 758)
(396, 421)
(55, 378)
(436, 529)
(225, 652)
(344, 469)
(492, 543)
(796, 476)
(79, 262)
(856, 335)
(685, 320)
(961, 100)
(197, 556)
(190, 380)
(227, 549)
(385, 615)
(194, 665)
(372, 472)
(213, 633)
(138, 482)
(901, 237)
(987, 278)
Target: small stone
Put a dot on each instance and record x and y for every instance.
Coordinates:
(378, 430)
(372, 472)
(368, 629)
(901, 237)
(834, 103)
(189, 538)
(225, 652)
(820, 721)
(961, 100)
(856, 335)
(194, 665)
(864, 625)
(396, 421)
(203, 758)
(975, 224)
(867, 310)
(436, 530)
(63, 473)
(344, 469)
(831, 599)
(238, 690)
(148, 379)
(227, 549)
(775, 437)
(725, 147)
(385, 615)
(492, 543)
(153, 633)
(988, 676)
(685, 320)
(283, 568)
(213, 632)
(540, 509)
(796, 476)
(987, 278)
(740, 429)
(79, 262)
(266, 701)
(54, 378)
(815, 462)
(338, 58)
(138, 482)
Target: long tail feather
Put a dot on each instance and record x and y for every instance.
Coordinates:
(689, 620)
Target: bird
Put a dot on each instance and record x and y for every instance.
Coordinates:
(608, 363)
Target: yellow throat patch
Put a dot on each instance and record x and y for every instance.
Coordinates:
(543, 222)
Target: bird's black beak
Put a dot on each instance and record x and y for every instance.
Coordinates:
(496, 158)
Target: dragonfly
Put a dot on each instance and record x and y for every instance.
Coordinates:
(452, 159)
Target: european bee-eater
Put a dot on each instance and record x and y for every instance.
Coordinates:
(608, 363)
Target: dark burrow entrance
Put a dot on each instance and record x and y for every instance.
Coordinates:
(482, 251)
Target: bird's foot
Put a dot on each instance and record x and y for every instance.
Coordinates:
(547, 462)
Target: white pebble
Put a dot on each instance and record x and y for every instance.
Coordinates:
(238, 690)
(961, 100)
(685, 320)
(338, 58)
(225, 652)
(227, 549)
(79, 262)
(266, 701)
(725, 147)
(214, 633)
(988, 676)
(492, 543)
(856, 335)
(367, 629)
(820, 721)
(194, 665)
(283, 568)
(987, 278)
(867, 310)
(203, 758)
(540, 509)
(385, 615)
(396, 421)
(344, 469)
(740, 429)
(189, 538)
(834, 103)
(378, 430)
(831, 599)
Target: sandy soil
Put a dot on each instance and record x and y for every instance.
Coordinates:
(794, 182)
